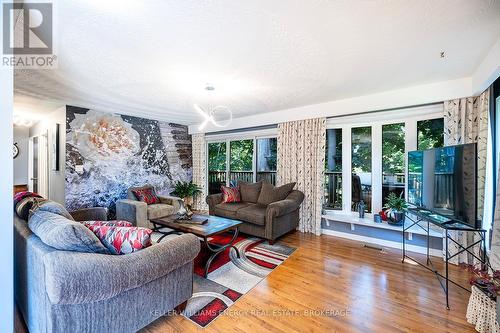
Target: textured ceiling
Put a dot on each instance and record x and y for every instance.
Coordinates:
(154, 58)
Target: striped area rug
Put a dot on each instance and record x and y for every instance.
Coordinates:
(231, 277)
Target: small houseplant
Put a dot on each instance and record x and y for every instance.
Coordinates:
(396, 207)
(186, 191)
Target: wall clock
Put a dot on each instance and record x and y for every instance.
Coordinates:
(15, 150)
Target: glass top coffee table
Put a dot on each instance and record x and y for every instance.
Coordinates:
(214, 225)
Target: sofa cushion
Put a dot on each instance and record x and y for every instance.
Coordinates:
(160, 210)
(50, 206)
(122, 240)
(230, 194)
(229, 209)
(250, 191)
(147, 195)
(255, 214)
(64, 234)
(270, 193)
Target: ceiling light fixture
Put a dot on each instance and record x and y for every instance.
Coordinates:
(213, 115)
(22, 121)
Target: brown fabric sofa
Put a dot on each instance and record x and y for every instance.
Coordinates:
(268, 221)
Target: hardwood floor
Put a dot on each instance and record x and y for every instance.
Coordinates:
(335, 285)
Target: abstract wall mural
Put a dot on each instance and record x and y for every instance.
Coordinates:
(106, 153)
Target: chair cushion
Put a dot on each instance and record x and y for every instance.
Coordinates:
(250, 191)
(156, 211)
(271, 193)
(229, 209)
(148, 195)
(122, 240)
(230, 194)
(64, 234)
(255, 214)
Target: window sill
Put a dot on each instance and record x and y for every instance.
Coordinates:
(368, 222)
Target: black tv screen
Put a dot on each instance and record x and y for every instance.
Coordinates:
(443, 181)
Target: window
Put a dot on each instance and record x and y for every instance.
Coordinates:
(361, 143)
(333, 169)
(216, 166)
(393, 160)
(267, 155)
(430, 134)
(366, 157)
(241, 161)
(230, 161)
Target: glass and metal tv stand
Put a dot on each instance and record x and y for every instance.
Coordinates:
(424, 219)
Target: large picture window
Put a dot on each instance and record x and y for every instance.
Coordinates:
(361, 144)
(333, 169)
(430, 133)
(393, 160)
(366, 157)
(216, 166)
(241, 161)
(267, 157)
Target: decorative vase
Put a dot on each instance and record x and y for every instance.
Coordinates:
(361, 209)
(184, 213)
(395, 217)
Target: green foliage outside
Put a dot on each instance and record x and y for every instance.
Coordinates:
(393, 148)
(241, 155)
(217, 156)
(430, 133)
(361, 149)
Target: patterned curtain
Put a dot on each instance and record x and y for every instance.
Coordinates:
(495, 238)
(301, 159)
(466, 121)
(199, 170)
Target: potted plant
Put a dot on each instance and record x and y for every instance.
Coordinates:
(186, 191)
(396, 207)
(488, 283)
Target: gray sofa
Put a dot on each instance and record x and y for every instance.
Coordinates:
(64, 291)
(268, 221)
(140, 213)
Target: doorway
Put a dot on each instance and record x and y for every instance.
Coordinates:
(39, 165)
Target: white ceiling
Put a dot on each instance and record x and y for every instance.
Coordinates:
(153, 58)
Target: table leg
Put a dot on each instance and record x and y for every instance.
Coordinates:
(216, 249)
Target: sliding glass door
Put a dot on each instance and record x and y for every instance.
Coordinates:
(248, 159)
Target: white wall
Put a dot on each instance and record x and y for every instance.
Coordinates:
(21, 137)
(56, 178)
(6, 237)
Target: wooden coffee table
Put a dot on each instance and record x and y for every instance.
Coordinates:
(214, 225)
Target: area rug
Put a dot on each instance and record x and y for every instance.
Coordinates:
(230, 277)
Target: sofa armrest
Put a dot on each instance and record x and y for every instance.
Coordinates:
(76, 277)
(214, 199)
(282, 207)
(90, 214)
(172, 201)
(133, 211)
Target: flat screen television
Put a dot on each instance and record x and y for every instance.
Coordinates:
(443, 181)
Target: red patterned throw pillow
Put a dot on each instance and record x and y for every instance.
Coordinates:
(121, 240)
(230, 194)
(113, 223)
(148, 195)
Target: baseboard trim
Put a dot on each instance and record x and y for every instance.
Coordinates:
(382, 242)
